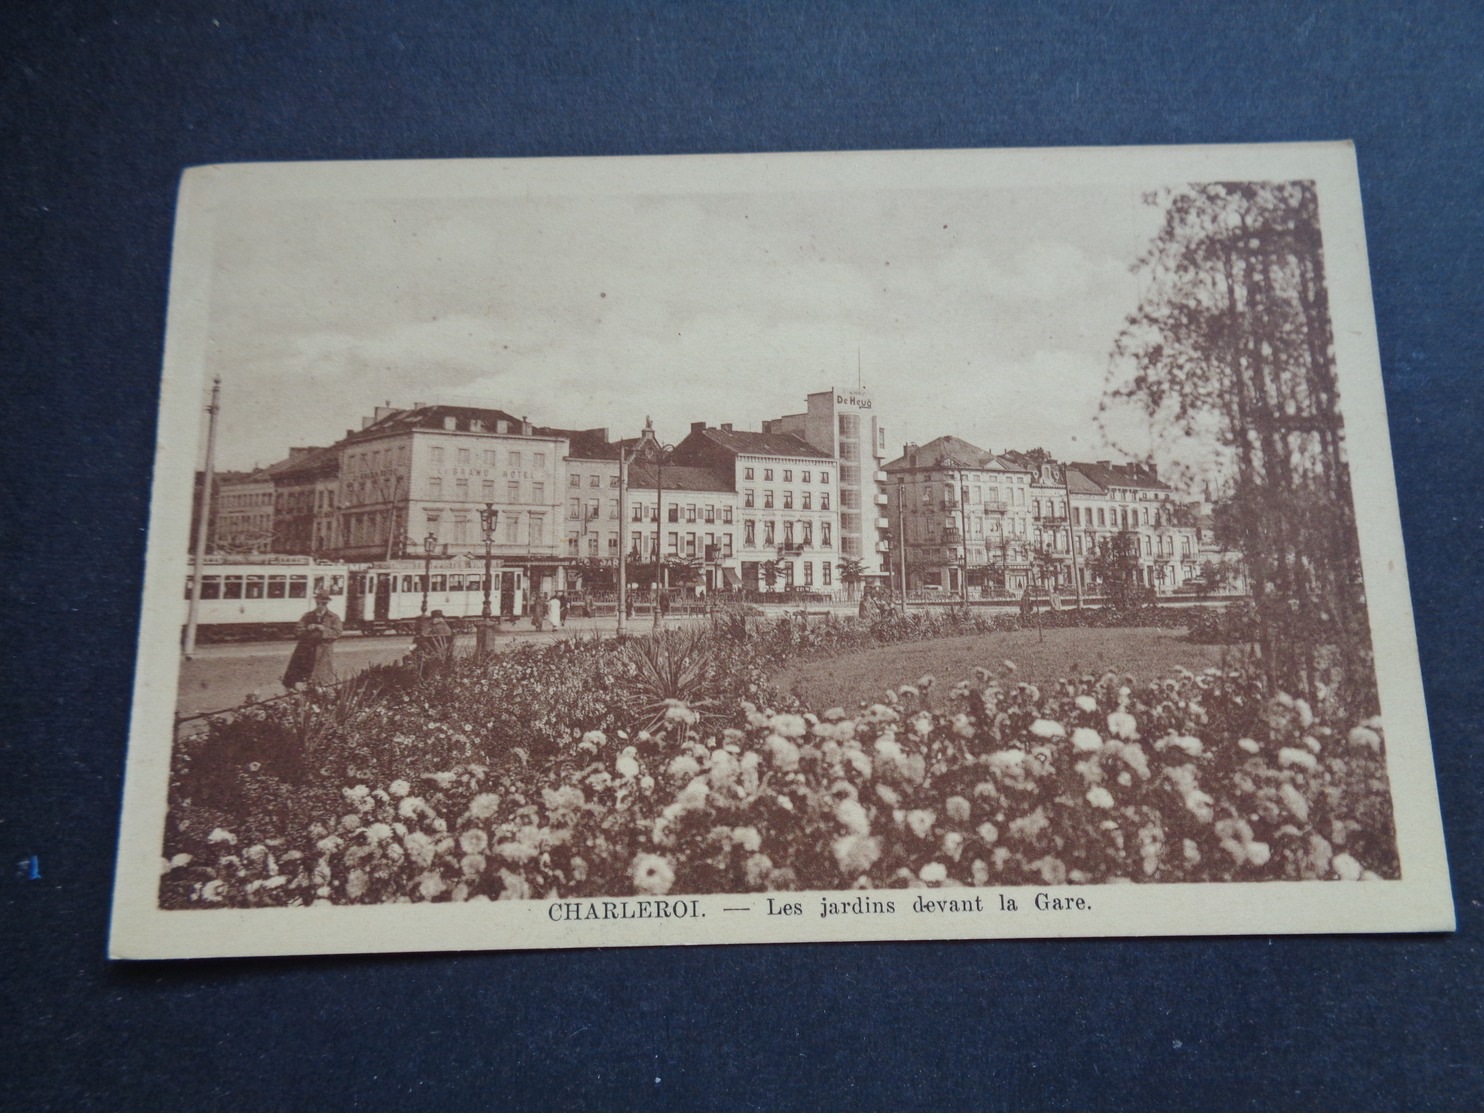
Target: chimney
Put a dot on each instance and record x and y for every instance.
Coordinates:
(1106, 464)
(726, 427)
(525, 426)
(698, 426)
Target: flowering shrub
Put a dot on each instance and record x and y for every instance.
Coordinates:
(1199, 777)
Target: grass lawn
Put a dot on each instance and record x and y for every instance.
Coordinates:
(863, 677)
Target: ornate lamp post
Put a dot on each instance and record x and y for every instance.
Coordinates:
(430, 547)
(489, 520)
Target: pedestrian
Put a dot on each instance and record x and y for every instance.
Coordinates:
(554, 610)
(440, 636)
(312, 662)
(628, 606)
(538, 610)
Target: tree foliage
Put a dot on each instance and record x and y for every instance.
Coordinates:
(1232, 344)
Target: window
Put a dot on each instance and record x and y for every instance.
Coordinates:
(435, 488)
(674, 542)
(436, 455)
(513, 459)
(636, 541)
(690, 544)
(749, 533)
(538, 460)
(594, 481)
(726, 545)
(788, 475)
(788, 498)
(690, 513)
(747, 498)
(674, 516)
(538, 492)
(613, 509)
(824, 535)
(298, 585)
(824, 477)
(461, 488)
(767, 475)
(808, 574)
(767, 498)
(574, 508)
(804, 477)
(808, 534)
(211, 587)
(788, 533)
(231, 587)
(463, 455)
(592, 546)
(711, 513)
(805, 499)
(455, 583)
(255, 586)
(637, 514)
(1101, 522)
(824, 502)
(489, 458)
(726, 514)
(574, 480)
(512, 491)
(768, 533)
(825, 573)
(747, 473)
(538, 529)
(439, 584)
(512, 529)
(487, 490)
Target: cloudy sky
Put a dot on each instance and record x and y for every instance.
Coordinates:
(988, 315)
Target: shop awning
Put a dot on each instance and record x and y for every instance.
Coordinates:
(729, 577)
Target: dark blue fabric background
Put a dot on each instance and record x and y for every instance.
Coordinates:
(103, 104)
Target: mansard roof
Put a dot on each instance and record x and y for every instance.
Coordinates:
(759, 444)
(681, 478)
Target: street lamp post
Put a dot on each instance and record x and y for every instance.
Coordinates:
(430, 546)
(489, 519)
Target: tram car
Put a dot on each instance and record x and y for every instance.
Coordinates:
(261, 598)
(389, 597)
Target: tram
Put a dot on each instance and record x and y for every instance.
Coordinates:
(389, 597)
(262, 597)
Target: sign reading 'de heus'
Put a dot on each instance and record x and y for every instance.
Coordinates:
(1123, 501)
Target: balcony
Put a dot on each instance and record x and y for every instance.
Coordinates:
(950, 522)
(991, 507)
(880, 499)
(789, 548)
(883, 546)
(882, 522)
(880, 477)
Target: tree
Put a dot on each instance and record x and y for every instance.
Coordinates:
(1114, 562)
(852, 573)
(771, 571)
(1232, 348)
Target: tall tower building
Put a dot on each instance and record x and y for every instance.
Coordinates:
(844, 424)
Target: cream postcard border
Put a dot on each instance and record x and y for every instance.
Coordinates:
(1420, 900)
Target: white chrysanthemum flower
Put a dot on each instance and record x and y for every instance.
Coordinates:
(332, 844)
(856, 853)
(783, 752)
(683, 767)
(934, 872)
(484, 805)
(1298, 758)
(958, 808)
(1045, 727)
(1121, 723)
(920, 822)
(213, 892)
(988, 833)
(379, 832)
(653, 875)
(472, 864)
(222, 837)
(1363, 737)
(474, 841)
(420, 847)
(1087, 703)
(851, 815)
(953, 845)
(1346, 867)
(1247, 744)
(399, 789)
(1086, 740)
(1258, 853)
(356, 883)
(1189, 745)
(748, 838)
(627, 765)
(1100, 797)
(788, 725)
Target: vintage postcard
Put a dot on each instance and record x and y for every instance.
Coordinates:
(915, 545)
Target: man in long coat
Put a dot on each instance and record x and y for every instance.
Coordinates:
(312, 661)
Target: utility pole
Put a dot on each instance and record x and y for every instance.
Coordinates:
(623, 513)
(963, 541)
(203, 526)
(1066, 484)
(902, 541)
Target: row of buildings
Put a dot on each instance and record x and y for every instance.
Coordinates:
(808, 501)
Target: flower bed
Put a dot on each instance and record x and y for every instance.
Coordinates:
(1201, 777)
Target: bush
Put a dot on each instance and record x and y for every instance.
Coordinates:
(1200, 777)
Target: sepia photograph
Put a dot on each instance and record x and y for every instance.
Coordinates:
(774, 548)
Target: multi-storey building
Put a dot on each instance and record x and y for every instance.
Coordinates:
(960, 511)
(688, 515)
(844, 425)
(243, 522)
(302, 484)
(1108, 500)
(593, 532)
(787, 503)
